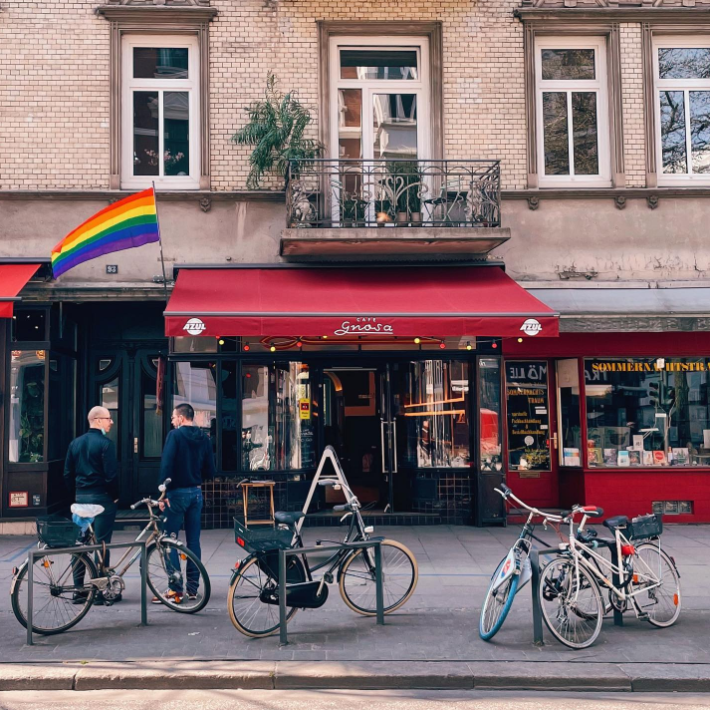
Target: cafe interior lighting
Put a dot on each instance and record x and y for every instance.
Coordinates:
(520, 340)
(246, 347)
(469, 346)
(434, 414)
(417, 341)
(221, 341)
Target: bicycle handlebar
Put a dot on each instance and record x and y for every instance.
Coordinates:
(506, 493)
(149, 501)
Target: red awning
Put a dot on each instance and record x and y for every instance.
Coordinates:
(13, 278)
(396, 301)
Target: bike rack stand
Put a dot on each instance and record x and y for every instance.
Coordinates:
(535, 588)
(85, 548)
(283, 587)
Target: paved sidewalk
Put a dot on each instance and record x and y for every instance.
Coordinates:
(438, 624)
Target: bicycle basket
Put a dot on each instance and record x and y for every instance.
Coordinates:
(57, 532)
(644, 527)
(261, 539)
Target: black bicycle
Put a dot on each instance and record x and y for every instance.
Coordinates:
(253, 598)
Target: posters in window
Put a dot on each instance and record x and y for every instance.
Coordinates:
(528, 417)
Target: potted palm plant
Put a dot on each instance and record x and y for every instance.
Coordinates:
(276, 129)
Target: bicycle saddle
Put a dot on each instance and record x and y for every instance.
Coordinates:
(87, 510)
(618, 521)
(592, 511)
(287, 518)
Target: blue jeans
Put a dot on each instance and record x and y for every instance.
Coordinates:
(185, 509)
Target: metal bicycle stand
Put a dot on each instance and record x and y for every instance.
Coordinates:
(535, 587)
(283, 587)
(81, 549)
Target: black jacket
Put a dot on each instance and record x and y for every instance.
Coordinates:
(91, 466)
(187, 458)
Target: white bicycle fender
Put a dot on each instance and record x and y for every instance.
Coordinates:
(508, 569)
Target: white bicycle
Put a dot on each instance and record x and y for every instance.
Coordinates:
(640, 575)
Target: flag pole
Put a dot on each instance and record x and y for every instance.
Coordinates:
(160, 242)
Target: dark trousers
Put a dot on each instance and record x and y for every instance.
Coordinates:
(185, 509)
(103, 528)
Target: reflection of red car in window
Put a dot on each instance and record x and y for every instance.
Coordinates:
(490, 441)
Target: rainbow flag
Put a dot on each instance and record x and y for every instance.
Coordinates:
(131, 222)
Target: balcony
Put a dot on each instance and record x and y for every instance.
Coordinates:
(352, 210)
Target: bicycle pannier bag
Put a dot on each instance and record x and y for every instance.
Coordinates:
(644, 527)
(57, 532)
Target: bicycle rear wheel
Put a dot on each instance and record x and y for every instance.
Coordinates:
(571, 603)
(658, 582)
(172, 583)
(256, 581)
(497, 604)
(358, 585)
(59, 602)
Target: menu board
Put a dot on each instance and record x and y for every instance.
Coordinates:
(526, 388)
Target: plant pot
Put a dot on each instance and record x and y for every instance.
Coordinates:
(416, 220)
(402, 219)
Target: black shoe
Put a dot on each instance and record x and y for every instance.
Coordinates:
(79, 598)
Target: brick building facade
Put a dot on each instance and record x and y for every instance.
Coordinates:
(618, 248)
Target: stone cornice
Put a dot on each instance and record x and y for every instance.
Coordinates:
(162, 14)
(672, 15)
(163, 195)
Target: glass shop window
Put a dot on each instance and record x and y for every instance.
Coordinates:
(650, 412)
(526, 391)
(490, 404)
(569, 417)
(434, 414)
(28, 324)
(27, 376)
(278, 417)
(196, 384)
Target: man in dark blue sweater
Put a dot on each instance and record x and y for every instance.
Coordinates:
(187, 461)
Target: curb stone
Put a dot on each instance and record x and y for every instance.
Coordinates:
(501, 675)
(363, 675)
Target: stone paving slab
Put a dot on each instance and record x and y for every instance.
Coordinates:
(669, 677)
(439, 623)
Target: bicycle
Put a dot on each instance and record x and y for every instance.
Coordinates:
(253, 598)
(68, 584)
(514, 570)
(641, 575)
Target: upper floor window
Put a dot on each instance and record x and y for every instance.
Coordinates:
(380, 98)
(682, 70)
(160, 112)
(572, 112)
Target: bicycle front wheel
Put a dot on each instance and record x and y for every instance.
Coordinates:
(497, 604)
(177, 577)
(358, 585)
(656, 585)
(571, 603)
(252, 600)
(62, 593)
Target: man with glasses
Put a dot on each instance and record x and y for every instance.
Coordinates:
(187, 461)
(91, 474)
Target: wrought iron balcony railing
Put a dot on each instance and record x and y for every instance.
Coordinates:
(323, 193)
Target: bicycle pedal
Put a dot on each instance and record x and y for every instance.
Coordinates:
(328, 577)
(642, 617)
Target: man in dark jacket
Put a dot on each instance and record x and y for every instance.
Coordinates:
(187, 461)
(91, 474)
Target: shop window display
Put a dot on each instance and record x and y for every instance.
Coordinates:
(27, 374)
(278, 427)
(647, 412)
(434, 414)
(489, 394)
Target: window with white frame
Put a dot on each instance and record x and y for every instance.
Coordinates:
(682, 68)
(379, 98)
(160, 112)
(572, 112)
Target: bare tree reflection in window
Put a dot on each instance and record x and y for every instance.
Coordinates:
(673, 132)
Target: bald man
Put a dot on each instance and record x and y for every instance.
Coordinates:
(91, 472)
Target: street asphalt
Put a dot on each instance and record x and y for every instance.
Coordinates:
(433, 637)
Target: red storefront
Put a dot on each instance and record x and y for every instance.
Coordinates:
(629, 422)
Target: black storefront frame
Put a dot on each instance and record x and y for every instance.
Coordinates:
(50, 485)
(320, 359)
